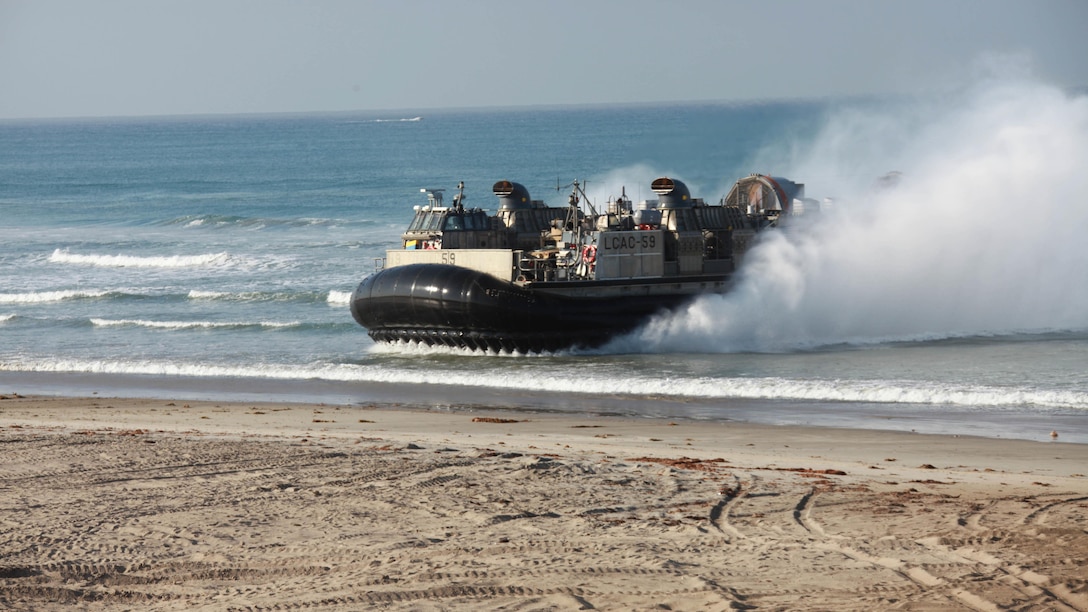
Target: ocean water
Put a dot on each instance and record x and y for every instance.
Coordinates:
(214, 257)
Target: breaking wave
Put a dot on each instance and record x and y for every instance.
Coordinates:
(231, 221)
(334, 298)
(890, 392)
(63, 256)
(40, 297)
(339, 298)
(182, 325)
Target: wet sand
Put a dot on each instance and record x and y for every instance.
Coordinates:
(160, 504)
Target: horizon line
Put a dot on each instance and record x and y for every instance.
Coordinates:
(421, 111)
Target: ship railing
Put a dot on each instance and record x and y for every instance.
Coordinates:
(537, 269)
(379, 264)
(528, 267)
(550, 269)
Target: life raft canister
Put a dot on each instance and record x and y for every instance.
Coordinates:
(589, 254)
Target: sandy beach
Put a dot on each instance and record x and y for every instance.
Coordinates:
(157, 504)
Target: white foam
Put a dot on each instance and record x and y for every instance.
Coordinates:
(38, 297)
(339, 298)
(195, 294)
(251, 296)
(178, 325)
(243, 296)
(63, 256)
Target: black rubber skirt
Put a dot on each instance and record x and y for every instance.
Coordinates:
(438, 304)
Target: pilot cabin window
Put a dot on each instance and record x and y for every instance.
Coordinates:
(454, 223)
(433, 222)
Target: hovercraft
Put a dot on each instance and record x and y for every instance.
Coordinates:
(532, 278)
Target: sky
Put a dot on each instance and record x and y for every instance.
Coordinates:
(78, 58)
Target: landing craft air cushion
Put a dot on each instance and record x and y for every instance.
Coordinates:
(533, 278)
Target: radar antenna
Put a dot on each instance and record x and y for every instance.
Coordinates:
(434, 197)
(458, 200)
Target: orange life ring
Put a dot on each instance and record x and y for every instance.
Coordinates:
(589, 254)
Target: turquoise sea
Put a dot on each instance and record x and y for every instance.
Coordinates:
(213, 257)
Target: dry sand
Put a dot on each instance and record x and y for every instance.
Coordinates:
(153, 504)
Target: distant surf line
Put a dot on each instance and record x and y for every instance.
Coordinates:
(403, 120)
